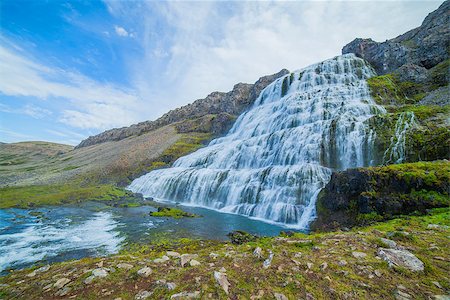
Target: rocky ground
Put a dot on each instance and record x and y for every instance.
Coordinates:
(405, 258)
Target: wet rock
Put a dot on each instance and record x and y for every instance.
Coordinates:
(186, 295)
(401, 258)
(389, 243)
(145, 272)
(194, 263)
(61, 283)
(257, 252)
(358, 255)
(279, 296)
(125, 266)
(222, 280)
(143, 295)
(268, 261)
(173, 254)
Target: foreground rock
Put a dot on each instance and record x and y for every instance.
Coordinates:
(222, 280)
(401, 258)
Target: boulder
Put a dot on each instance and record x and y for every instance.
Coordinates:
(401, 258)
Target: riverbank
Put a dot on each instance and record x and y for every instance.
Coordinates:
(335, 265)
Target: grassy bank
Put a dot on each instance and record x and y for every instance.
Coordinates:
(335, 265)
(38, 195)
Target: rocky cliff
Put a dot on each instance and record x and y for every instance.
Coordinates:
(422, 47)
(413, 86)
(214, 114)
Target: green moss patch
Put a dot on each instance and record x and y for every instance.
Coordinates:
(171, 212)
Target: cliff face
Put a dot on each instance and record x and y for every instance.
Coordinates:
(424, 46)
(357, 197)
(214, 114)
(413, 87)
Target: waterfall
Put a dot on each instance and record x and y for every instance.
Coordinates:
(280, 153)
(396, 152)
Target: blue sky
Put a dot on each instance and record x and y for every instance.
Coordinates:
(70, 69)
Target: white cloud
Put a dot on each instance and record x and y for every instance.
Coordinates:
(121, 31)
(214, 45)
(87, 103)
(29, 109)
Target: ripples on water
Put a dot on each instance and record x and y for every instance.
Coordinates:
(63, 233)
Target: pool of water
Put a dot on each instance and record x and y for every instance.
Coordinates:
(51, 234)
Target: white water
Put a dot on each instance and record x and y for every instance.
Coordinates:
(37, 241)
(396, 152)
(280, 153)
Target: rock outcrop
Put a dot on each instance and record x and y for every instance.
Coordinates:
(214, 114)
(358, 197)
(424, 46)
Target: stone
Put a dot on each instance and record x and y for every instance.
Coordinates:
(239, 237)
(323, 266)
(213, 255)
(63, 292)
(100, 272)
(389, 243)
(268, 261)
(173, 254)
(279, 296)
(223, 270)
(401, 258)
(437, 284)
(145, 272)
(125, 266)
(185, 258)
(309, 265)
(194, 263)
(378, 273)
(171, 286)
(342, 263)
(222, 280)
(143, 295)
(61, 283)
(400, 295)
(257, 252)
(163, 259)
(436, 226)
(358, 255)
(186, 295)
(39, 270)
(89, 279)
(441, 297)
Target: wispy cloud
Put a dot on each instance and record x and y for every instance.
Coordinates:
(88, 103)
(120, 31)
(29, 109)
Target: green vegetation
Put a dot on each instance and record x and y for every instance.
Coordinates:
(320, 265)
(284, 86)
(172, 212)
(37, 195)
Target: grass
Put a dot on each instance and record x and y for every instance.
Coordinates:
(288, 273)
(38, 195)
(172, 212)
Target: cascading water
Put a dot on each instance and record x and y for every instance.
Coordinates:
(280, 153)
(396, 152)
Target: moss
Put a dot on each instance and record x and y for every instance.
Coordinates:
(171, 212)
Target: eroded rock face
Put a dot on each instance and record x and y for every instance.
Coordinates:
(216, 112)
(425, 46)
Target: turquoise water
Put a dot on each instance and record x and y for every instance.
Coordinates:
(52, 234)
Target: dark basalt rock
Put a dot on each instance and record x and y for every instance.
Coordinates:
(358, 197)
